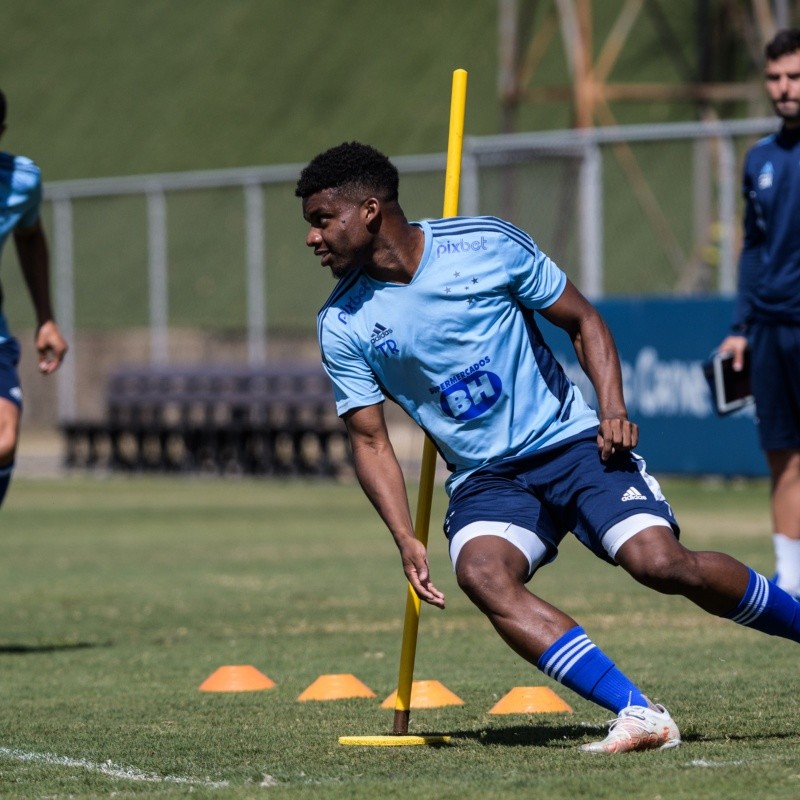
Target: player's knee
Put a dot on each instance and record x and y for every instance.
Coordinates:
(481, 580)
(471, 576)
(663, 565)
(9, 431)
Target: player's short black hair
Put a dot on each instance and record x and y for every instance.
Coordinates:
(353, 167)
(2, 107)
(784, 43)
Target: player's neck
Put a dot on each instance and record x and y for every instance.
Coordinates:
(397, 255)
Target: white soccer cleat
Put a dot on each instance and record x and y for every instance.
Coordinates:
(638, 728)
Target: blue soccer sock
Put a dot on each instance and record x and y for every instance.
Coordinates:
(5, 479)
(768, 608)
(578, 663)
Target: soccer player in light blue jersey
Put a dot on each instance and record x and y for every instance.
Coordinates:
(20, 200)
(440, 317)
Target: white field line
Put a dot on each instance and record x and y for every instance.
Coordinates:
(107, 768)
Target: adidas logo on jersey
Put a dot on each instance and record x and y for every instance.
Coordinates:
(632, 494)
(380, 332)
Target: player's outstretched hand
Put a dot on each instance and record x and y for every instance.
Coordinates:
(616, 434)
(52, 347)
(415, 565)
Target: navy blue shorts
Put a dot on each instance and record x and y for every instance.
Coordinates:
(9, 378)
(775, 359)
(566, 488)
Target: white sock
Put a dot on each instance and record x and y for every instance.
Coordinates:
(787, 562)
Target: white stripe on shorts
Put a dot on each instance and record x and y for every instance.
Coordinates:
(523, 539)
(618, 534)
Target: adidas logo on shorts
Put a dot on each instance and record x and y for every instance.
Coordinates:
(632, 494)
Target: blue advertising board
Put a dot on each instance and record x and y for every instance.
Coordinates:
(662, 344)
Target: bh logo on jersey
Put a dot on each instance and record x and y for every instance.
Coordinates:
(472, 396)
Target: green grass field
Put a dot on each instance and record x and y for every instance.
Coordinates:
(120, 596)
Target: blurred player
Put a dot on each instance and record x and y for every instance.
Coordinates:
(439, 316)
(767, 317)
(20, 199)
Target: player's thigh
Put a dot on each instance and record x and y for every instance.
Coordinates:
(775, 353)
(605, 502)
(490, 553)
(653, 552)
(10, 398)
(784, 464)
(9, 430)
(492, 505)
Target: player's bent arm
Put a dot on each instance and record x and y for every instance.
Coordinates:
(599, 359)
(381, 478)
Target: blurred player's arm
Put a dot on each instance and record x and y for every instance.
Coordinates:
(33, 255)
(381, 478)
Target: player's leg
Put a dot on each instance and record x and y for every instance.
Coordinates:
(716, 582)
(500, 533)
(9, 431)
(655, 558)
(775, 354)
(618, 510)
(784, 467)
(10, 410)
(492, 569)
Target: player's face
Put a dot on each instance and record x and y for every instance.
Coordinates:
(338, 230)
(782, 78)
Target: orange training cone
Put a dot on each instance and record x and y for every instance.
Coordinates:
(242, 678)
(336, 687)
(530, 700)
(426, 694)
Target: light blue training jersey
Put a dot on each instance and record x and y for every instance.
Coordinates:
(458, 347)
(20, 201)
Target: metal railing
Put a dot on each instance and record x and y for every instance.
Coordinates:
(584, 148)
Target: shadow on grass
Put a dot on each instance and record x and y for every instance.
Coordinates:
(524, 735)
(539, 736)
(25, 649)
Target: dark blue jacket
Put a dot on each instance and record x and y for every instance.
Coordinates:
(769, 266)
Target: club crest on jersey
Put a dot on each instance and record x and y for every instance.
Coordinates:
(766, 175)
(380, 340)
(471, 396)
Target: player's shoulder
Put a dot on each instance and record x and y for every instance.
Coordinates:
(21, 173)
(763, 146)
(493, 228)
(472, 223)
(345, 299)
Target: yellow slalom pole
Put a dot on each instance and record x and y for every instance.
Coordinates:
(408, 650)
